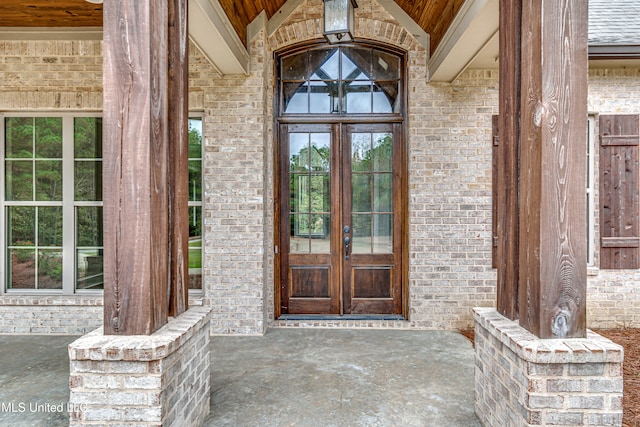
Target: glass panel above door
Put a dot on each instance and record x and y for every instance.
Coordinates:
(340, 80)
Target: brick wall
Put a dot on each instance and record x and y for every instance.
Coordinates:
(449, 140)
(522, 380)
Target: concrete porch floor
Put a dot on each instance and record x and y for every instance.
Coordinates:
(289, 377)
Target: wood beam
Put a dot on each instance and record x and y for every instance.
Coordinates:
(552, 254)
(508, 158)
(135, 166)
(178, 157)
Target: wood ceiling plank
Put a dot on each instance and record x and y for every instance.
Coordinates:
(50, 13)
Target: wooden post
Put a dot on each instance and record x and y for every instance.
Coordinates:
(135, 166)
(552, 254)
(508, 158)
(178, 157)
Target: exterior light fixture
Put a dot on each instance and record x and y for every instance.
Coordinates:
(338, 20)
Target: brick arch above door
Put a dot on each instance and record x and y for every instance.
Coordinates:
(372, 22)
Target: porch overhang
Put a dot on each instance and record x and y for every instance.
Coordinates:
(473, 29)
(211, 31)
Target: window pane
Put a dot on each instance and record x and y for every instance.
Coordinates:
(195, 138)
(90, 271)
(88, 180)
(21, 225)
(320, 193)
(49, 269)
(385, 66)
(361, 152)
(299, 190)
(356, 63)
(385, 97)
(48, 137)
(299, 152)
(325, 64)
(195, 180)
(49, 226)
(19, 180)
(295, 67)
(361, 193)
(195, 223)
(22, 271)
(323, 97)
(382, 234)
(299, 239)
(358, 97)
(89, 226)
(295, 98)
(321, 234)
(382, 152)
(361, 229)
(49, 180)
(87, 137)
(382, 192)
(320, 152)
(19, 137)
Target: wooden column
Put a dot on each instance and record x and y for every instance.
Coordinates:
(178, 157)
(508, 158)
(136, 165)
(552, 253)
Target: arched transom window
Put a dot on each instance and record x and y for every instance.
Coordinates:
(341, 80)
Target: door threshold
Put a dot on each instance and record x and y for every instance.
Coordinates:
(341, 317)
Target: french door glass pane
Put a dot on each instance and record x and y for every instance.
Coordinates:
(299, 242)
(382, 152)
(361, 229)
(361, 192)
(382, 192)
(382, 234)
(299, 152)
(320, 234)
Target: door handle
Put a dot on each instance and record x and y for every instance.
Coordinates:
(347, 241)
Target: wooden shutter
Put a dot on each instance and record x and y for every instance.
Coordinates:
(494, 191)
(619, 192)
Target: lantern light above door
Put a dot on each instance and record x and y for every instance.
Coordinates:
(338, 20)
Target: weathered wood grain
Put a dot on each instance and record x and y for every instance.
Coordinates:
(178, 118)
(135, 166)
(553, 255)
(508, 152)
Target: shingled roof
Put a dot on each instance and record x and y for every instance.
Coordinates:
(614, 22)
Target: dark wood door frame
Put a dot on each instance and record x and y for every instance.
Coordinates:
(401, 198)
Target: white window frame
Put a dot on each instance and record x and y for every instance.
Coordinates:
(68, 207)
(199, 115)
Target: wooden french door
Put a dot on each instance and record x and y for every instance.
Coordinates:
(340, 218)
